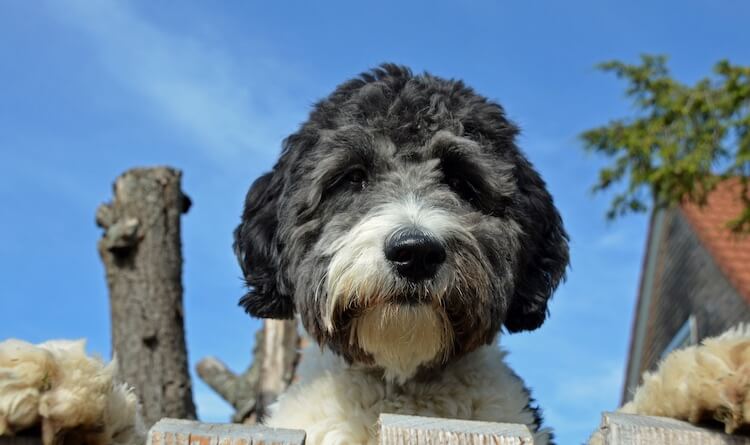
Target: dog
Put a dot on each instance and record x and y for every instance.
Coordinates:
(56, 392)
(707, 384)
(405, 228)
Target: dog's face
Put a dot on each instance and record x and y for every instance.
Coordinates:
(403, 224)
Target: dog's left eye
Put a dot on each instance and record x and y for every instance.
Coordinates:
(356, 179)
(463, 187)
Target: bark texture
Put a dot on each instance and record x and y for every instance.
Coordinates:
(275, 359)
(142, 255)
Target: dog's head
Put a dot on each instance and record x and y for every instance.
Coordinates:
(403, 224)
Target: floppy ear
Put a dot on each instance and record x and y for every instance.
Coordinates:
(256, 247)
(545, 252)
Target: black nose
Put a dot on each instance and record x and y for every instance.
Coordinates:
(415, 254)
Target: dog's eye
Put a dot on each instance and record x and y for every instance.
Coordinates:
(356, 179)
(471, 192)
(353, 180)
(455, 183)
(463, 187)
(461, 176)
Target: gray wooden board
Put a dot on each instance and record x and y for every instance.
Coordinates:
(412, 430)
(630, 429)
(189, 432)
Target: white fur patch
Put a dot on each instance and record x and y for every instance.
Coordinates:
(706, 381)
(58, 384)
(336, 403)
(402, 337)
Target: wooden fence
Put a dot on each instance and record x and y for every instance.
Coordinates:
(615, 429)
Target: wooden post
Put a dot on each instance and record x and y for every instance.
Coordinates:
(280, 356)
(631, 429)
(141, 251)
(186, 432)
(414, 430)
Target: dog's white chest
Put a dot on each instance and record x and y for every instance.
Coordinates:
(337, 404)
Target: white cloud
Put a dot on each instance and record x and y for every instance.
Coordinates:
(197, 88)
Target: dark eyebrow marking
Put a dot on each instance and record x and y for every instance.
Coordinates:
(444, 142)
(458, 154)
(350, 145)
(497, 172)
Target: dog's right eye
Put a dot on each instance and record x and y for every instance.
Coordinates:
(462, 177)
(465, 189)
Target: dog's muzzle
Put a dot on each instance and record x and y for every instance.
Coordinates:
(415, 254)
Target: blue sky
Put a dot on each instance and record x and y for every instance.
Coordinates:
(91, 88)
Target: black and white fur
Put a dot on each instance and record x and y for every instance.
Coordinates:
(390, 156)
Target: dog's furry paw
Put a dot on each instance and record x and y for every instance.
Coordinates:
(56, 387)
(706, 382)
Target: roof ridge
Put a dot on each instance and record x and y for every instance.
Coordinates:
(730, 250)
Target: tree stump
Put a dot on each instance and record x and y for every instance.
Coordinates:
(275, 359)
(142, 255)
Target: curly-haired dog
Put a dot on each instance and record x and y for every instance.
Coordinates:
(55, 389)
(404, 227)
(707, 383)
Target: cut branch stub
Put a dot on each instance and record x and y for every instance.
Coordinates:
(275, 358)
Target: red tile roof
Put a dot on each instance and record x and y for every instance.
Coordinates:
(731, 250)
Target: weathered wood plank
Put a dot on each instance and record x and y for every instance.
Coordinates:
(413, 430)
(280, 355)
(630, 429)
(190, 432)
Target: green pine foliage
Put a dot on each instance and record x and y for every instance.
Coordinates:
(682, 140)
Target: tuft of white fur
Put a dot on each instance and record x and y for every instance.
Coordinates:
(402, 337)
(706, 381)
(57, 385)
(336, 403)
